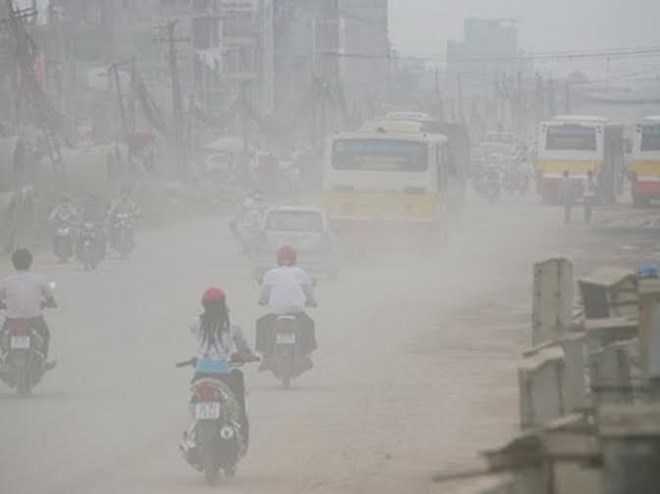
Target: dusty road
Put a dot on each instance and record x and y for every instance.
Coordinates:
(416, 367)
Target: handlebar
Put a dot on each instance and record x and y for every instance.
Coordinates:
(237, 361)
(187, 363)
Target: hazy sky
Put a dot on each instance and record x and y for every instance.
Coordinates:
(423, 26)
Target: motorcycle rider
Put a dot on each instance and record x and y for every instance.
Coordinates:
(94, 213)
(124, 204)
(248, 221)
(219, 340)
(64, 213)
(24, 295)
(287, 290)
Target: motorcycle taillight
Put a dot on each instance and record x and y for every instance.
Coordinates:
(206, 392)
(18, 327)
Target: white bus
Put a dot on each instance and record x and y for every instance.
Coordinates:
(578, 145)
(382, 177)
(645, 167)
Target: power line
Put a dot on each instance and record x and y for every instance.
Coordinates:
(621, 53)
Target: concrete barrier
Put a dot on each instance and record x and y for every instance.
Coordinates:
(630, 438)
(552, 309)
(497, 484)
(602, 332)
(610, 292)
(574, 384)
(610, 373)
(540, 381)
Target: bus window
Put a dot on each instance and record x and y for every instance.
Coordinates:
(650, 138)
(379, 155)
(570, 138)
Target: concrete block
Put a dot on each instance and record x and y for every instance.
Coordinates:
(553, 300)
(574, 388)
(610, 374)
(572, 478)
(630, 437)
(540, 380)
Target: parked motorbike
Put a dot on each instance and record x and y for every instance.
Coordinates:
(246, 228)
(215, 442)
(91, 246)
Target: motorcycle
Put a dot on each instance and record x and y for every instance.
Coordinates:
(24, 360)
(492, 186)
(289, 358)
(63, 242)
(245, 228)
(215, 442)
(123, 234)
(91, 246)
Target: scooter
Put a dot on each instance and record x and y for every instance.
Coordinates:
(24, 360)
(215, 442)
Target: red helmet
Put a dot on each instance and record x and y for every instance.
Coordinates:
(287, 255)
(213, 295)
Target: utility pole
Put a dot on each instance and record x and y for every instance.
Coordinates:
(177, 96)
(114, 71)
(539, 100)
(438, 107)
(30, 90)
(459, 96)
(520, 105)
(177, 100)
(552, 107)
(244, 118)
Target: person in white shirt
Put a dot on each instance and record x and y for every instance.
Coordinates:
(590, 192)
(286, 290)
(24, 295)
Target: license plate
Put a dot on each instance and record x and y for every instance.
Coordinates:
(63, 232)
(207, 411)
(286, 338)
(20, 342)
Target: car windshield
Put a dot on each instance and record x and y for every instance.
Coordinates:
(295, 221)
(571, 138)
(385, 155)
(651, 138)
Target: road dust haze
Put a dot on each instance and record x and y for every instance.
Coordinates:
(414, 372)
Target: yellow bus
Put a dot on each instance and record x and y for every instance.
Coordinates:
(578, 145)
(644, 171)
(388, 178)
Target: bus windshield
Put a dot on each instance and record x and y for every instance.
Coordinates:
(383, 155)
(571, 138)
(650, 138)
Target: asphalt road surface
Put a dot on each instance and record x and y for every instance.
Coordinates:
(415, 371)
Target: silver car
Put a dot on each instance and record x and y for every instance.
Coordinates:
(304, 228)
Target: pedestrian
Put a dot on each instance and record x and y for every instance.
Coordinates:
(589, 196)
(566, 195)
